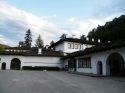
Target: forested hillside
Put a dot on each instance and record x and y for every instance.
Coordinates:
(2, 46)
(111, 31)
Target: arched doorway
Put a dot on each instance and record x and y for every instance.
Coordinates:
(72, 64)
(99, 68)
(3, 66)
(115, 65)
(15, 64)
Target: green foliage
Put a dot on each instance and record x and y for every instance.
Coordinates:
(52, 42)
(41, 68)
(2, 47)
(28, 39)
(63, 36)
(111, 31)
(39, 42)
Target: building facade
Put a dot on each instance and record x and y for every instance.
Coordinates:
(71, 54)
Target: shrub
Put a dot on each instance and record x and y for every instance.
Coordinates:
(41, 68)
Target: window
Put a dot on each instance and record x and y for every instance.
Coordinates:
(80, 46)
(72, 46)
(69, 45)
(84, 62)
(76, 46)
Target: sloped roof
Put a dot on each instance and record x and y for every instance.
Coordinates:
(96, 49)
(34, 52)
(75, 40)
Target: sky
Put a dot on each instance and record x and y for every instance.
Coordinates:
(52, 18)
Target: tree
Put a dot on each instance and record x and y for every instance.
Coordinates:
(28, 39)
(39, 42)
(52, 42)
(112, 31)
(63, 36)
(2, 47)
(82, 37)
(21, 44)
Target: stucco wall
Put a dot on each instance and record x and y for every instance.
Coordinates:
(32, 61)
(70, 50)
(100, 56)
(60, 47)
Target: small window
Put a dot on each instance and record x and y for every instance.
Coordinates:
(69, 45)
(81, 47)
(84, 62)
(76, 46)
(72, 45)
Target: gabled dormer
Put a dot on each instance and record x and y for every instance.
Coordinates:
(69, 45)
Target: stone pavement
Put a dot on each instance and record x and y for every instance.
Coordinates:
(57, 82)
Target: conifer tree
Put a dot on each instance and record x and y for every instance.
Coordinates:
(39, 42)
(28, 39)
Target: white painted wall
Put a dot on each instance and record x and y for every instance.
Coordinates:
(60, 47)
(99, 56)
(64, 47)
(32, 61)
(70, 50)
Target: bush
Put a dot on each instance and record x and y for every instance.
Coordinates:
(41, 68)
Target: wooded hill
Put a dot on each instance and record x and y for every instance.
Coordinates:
(2, 46)
(112, 31)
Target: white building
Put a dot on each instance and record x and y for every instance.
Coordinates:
(69, 45)
(99, 60)
(17, 58)
(71, 54)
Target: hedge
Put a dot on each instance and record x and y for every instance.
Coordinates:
(41, 68)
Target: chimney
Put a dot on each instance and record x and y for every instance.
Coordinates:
(39, 50)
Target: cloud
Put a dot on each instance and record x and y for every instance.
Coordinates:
(109, 7)
(84, 26)
(16, 22)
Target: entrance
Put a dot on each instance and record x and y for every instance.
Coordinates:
(15, 64)
(99, 68)
(72, 64)
(3, 66)
(115, 64)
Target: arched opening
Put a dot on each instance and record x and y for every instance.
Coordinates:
(15, 64)
(3, 66)
(72, 64)
(115, 65)
(99, 68)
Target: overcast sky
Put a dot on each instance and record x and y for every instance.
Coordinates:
(51, 18)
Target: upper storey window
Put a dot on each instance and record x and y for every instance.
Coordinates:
(69, 45)
(74, 46)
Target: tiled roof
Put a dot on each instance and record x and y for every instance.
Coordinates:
(34, 52)
(95, 49)
(75, 40)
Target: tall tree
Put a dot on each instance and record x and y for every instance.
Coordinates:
(52, 42)
(28, 39)
(39, 42)
(63, 36)
(82, 37)
(21, 44)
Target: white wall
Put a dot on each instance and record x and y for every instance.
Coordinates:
(60, 47)
(99, 56)
(70, 50)
(64, 47)
(32, 61)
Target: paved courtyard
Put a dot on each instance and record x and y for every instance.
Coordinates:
(57, 82)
